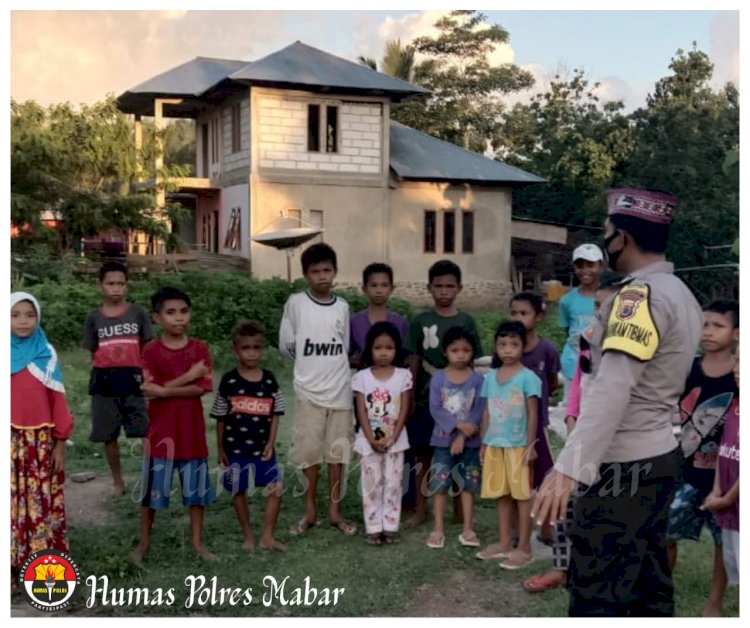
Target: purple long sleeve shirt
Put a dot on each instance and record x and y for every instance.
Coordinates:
(451, 403)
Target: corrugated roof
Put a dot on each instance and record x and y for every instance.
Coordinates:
(297, 66)
(192, 78)
(189, 81)
(416, 155)
(300, 65)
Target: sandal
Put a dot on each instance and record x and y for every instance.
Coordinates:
(469, 539)
(517, 560)
(492, 552)
(436, 540)
(374, 539)
(345, 526)
(302, 526)
(391, 538)
(541, 583)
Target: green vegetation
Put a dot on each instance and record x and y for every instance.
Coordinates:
(408, 579)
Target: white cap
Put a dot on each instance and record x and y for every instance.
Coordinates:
(588, 252)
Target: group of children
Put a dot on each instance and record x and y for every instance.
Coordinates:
(425, 416)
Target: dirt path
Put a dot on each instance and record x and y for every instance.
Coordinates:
(464, 593)
(86, 503)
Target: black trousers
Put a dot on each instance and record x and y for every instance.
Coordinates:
(618, 564)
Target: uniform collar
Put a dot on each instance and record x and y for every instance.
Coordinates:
(656, 267)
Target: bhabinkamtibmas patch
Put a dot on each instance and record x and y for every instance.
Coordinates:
(631, 328)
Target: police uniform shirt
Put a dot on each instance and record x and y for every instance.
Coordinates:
(643, 345)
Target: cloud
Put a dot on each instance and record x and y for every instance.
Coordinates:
(541, 82)
(80, 56)
(633, 95)
(725, 47)
(418, 24)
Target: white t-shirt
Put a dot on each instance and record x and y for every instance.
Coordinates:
(383, 403)
(316, 335)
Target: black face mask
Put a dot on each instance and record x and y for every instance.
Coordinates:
(612, 257)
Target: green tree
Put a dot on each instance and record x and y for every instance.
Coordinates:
(568, 136)
(465, 104)
(683, 136)
(179, 145)
(81, 164)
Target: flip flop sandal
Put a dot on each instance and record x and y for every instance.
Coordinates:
(302, 526)
(436, 541)
(541, 583)
(469, 540)
(348, 528)
(487, 555)
(517, 560)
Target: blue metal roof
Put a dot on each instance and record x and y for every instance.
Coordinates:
(298, 66)
(301, 65)
(416, 155)
(192, 78)
(189, 81)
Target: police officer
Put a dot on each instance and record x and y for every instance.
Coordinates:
(623, 452)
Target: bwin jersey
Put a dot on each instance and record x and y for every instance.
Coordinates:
(316, 335)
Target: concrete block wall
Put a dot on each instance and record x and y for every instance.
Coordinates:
(282, 137)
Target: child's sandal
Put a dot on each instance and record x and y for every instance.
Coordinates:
(374, 539)
(436, 540)
(391, 538)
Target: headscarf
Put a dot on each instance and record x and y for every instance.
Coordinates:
(35, 352)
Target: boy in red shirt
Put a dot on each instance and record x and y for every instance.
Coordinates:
(177, 372)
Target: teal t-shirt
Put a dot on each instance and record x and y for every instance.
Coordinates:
(577, 314)
(506, 403)
(425, 338)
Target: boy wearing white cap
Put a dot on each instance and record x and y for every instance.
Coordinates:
(577, 306)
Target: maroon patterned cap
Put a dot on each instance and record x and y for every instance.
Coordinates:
(651, 205)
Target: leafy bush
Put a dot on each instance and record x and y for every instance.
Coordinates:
(219, 300)
(37, 263)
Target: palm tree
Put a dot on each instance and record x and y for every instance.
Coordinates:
(398, 60)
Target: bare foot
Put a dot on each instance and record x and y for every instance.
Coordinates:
(272, 544)
(203, 552)
(417, 519)
(139, 553)
(118, 489)
(249, 544)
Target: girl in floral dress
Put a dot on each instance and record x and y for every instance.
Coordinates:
(40, 423)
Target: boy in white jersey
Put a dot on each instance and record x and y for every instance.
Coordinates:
(315, 333)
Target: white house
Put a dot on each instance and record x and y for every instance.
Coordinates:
(308, 136)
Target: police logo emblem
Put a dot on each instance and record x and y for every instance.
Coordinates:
(50, 580)
(629, 302)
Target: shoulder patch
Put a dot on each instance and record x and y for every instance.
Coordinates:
(631, 328)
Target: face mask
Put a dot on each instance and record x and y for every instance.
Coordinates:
(613, 256)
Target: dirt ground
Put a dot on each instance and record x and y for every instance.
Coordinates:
(462, 594)
(466, 594)
(85, 502)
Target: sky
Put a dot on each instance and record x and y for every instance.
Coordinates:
(80, 56)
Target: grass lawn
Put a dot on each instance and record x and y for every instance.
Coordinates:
(407, 579)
